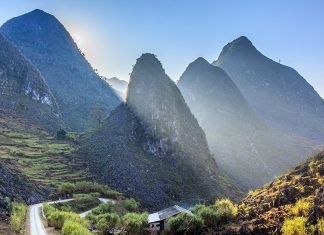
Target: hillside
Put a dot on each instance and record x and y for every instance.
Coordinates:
(77, 89)
(33, 163)
(152, 147)
(281, 96)
(299, 193)
(240, 141)
(23, 90)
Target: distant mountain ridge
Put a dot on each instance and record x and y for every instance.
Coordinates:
(74, 84)
(237, 137)
(23, 90)
(277, 92)
(152, 147)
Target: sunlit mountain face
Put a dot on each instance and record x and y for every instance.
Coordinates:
(234, 147)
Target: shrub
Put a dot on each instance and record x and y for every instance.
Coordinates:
(66, 188)
(295, 226)
(301, 208)
(184, 223)
(226, 209)
(209, 215)
(74, 228)
(135, 223)
(320, 226)
(78, 205)
(17, 216)
(61, 134)
(106, 221)
(57, 219)
(48, 209)
(103, 208)
(131, 205)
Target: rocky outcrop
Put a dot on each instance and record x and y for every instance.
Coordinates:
(152, 147)
(23, 90)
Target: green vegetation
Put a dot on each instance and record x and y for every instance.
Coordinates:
(74, 228)
(185, 224)
(295, 226)
(131, 204)
(301, 208)
(40, 157)
(135, 223)
(79, 204)
(17, 217)
(70, 223)
(86, 187)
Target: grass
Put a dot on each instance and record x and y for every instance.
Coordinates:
(18, 217)
(41, 157)
(78, 205)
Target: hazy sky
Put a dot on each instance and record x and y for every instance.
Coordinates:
(113, 33)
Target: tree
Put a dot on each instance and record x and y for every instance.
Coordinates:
(135, 223)
(66, 189)
(184, 223)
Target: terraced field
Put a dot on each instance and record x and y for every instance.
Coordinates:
(40, 157)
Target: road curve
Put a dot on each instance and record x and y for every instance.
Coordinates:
(35, 216)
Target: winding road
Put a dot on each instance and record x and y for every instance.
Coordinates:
(35, 217)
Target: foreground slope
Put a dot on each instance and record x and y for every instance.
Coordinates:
(236, 135)
(152, 147)
(299, 193)
(71, 79)
(277, 92)
(23, 90)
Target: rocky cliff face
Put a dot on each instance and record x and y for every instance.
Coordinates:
(23, 90)
(152, 148)
(74, 84)
(236, 135)
(277, 92)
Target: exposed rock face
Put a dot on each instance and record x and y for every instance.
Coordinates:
(236, 135)
(23, 90)
(277, 92)
(152, 148)
(16, 187)
(74, 84)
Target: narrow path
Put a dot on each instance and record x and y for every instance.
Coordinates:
(35, 216)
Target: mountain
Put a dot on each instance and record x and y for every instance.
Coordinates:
(291, 204)
(237, 137)
(24, 91)
(281, 96)
(119, 86)
(152, 148)
(73, 82)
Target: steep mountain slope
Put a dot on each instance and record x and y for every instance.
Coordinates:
(152, 148)
(237, 137)
(277, 92)
(74, 84)
(299, 193)
(23, 90)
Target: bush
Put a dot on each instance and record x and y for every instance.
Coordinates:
(106, 221)
(131, 205)
(320, 226)
(135, 223)
(57, 219)
(61, 134)
(74, 228)
(226, 209)
(103, 208)
(48, 209)
(66, 189)
(301, 208)
(295, 226)
(17, 216)
(79, 204)
(209, 215)
(184, 223)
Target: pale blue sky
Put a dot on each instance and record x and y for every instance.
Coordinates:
(114, 33)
